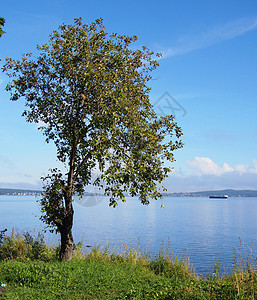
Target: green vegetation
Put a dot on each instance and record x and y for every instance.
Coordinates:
(89, 91)
(32, 270)
(2, 21)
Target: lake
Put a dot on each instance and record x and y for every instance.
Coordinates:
(205, 230)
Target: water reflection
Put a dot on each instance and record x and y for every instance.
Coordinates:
(207, 230)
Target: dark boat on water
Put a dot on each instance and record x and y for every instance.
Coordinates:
(219, 197)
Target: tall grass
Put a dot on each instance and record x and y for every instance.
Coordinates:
(24, 246)
(31, 270)
(244, 272)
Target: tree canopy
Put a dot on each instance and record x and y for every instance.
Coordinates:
(2, 22)
(89, 91)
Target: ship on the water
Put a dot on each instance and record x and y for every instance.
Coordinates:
(218, 197)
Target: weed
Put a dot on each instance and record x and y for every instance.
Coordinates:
(25, 246)
(31, 271)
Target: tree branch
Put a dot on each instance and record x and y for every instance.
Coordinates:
(81, 165)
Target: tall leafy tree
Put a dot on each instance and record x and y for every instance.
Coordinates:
(2, 21)
(89, 90)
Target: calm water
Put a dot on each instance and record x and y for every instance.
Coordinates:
(206, 230)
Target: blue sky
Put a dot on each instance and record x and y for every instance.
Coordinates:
(207, 76)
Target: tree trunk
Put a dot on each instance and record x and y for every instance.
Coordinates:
(67, 245)
(67, 242)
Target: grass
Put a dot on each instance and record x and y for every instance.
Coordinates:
(31, 270)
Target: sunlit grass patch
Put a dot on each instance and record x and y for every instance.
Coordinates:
(33, 272)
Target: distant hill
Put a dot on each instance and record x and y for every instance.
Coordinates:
(22, 192)
(6, 191)
(229, 192)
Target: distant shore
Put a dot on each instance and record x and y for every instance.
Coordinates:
(19, 192)
(229, 192)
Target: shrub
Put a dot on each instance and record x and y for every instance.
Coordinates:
(25, 246)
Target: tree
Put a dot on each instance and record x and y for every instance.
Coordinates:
(88, 89)
(2, 21)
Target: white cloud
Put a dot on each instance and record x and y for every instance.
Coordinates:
(231, 180)
(19, 181)
(204, 174)
(21, 185)
(213, 36)
(254, 168)
(241, 168)
(205, 166)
